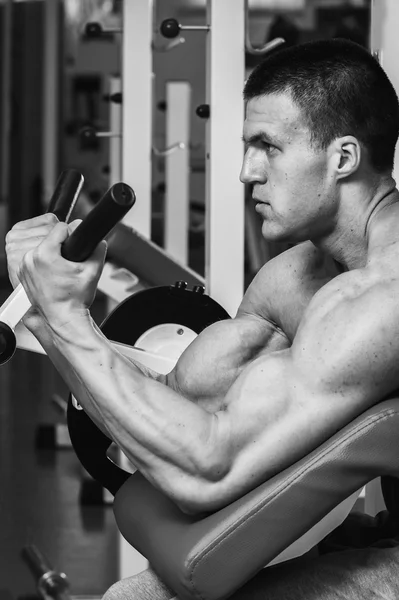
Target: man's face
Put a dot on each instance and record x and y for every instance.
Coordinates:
(292, 183)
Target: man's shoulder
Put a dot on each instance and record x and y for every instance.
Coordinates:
(288, 266)
(349, 336)
(375, 286)
(383, 262)
(285, 285)
(378, 279)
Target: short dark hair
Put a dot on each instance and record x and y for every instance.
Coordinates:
(340, 88)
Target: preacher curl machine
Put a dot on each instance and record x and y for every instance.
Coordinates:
(117, 201)
(209, 557)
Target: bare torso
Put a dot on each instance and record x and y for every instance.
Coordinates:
(273, 309)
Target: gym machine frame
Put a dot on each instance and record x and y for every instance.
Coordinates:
(224, 202)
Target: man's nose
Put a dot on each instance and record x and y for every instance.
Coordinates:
(252, 170)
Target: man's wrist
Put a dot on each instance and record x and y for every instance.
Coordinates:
(64, 324)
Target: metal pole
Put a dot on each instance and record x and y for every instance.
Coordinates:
(5, 119)
(51, 584)
(50, 97)
(384, 44)
(137, 109)
(177, 197)
(115, 113)
(224, 254)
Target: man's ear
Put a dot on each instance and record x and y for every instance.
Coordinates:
(349, 153)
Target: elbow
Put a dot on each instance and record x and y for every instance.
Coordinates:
(203, 494)
(200, 503)
(192, 509)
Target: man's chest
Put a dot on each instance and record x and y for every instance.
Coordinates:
(288, 307)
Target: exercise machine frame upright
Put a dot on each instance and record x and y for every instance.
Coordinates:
(224, 235)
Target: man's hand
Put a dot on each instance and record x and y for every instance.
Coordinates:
(25, 236)
(57, 288)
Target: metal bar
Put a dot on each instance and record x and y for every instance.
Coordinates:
(384, 45)
(137, 108)
(51, 584)
(150, 263)
(50, 97)
(177, 198)
(224, 255)
(5, 120)
(115, 114)
(35, 560)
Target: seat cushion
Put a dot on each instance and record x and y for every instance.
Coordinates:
(212, 556)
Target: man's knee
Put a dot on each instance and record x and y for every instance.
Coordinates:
(127, 589)
(143, 586)
(117, 591)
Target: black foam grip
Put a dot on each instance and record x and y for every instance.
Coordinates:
(112, 207)
(65, 195)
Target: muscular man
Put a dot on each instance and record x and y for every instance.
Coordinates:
(314, 342)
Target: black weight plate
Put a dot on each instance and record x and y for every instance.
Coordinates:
(156, 306)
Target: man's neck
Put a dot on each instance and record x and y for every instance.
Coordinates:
(358, 213)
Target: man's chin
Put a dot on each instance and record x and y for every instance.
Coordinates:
(281, 238)
(269, 235)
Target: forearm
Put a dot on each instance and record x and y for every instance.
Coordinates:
(166, 436)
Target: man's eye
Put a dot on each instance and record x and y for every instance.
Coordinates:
(260, 144)
(267, 147)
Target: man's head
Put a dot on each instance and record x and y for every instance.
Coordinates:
(341, 90)
(331, 108)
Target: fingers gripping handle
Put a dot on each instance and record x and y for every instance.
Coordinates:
(62, 202)
(77, 248)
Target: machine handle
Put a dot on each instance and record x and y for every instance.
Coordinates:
(115, 203)
(78, 247)
(66, 193)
